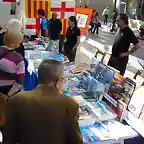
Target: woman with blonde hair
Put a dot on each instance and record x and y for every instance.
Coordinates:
(12, 66)
(14, 25)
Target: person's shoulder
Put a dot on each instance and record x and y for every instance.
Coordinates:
(18, 56)
(2, 34)
(44, 20)
(77, 30)
(70, 101)
(127, 29)
(20, 97)
(59, 20)
(69, 28)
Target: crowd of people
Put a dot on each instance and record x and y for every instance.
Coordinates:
(44, 115)
(52, 28)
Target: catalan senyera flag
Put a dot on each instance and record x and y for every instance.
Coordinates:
(64, 8)
(31, 7)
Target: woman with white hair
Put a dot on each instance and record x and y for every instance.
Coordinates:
(12, 66)
(14, 25)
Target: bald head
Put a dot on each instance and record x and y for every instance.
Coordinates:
(50, 72)
(54, 15)
(14, 24)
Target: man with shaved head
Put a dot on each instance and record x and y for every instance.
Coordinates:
(44, 115)
(55, 28)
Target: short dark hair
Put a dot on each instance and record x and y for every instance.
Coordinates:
(124, 18)
(73, 19)
(41, 12)
(50, 71)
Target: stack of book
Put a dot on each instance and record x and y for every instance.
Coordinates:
(87, 116)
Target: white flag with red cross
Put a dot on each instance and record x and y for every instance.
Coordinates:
(64, 8)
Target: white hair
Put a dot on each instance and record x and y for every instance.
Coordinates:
(14, 24)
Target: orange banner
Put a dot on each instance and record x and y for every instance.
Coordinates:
(83, 16)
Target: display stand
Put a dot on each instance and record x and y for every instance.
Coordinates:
(97, 86)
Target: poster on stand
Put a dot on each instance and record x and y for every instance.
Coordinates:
(83, 16)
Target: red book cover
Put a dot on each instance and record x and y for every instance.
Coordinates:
(121, 110)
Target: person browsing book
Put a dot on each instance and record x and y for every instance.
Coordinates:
(44, 115)
(44, 23)
(55, 27)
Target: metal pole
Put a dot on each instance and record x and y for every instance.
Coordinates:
(115, 1)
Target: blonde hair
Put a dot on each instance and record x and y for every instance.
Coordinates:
(14, 24)
(12, 36)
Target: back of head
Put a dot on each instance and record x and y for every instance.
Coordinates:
(14, 24)
(54, 15)
(11, 37)
(50, 72)
(41, 12)
(124, 18)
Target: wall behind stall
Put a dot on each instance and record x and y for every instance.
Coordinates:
(5, 12)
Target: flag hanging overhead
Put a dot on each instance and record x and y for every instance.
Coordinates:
(31, 7)
(64, 9)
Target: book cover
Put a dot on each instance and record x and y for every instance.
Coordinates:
(121, 110)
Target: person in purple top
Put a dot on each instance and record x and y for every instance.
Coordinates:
(12, 66)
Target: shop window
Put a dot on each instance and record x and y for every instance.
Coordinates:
(135, 9)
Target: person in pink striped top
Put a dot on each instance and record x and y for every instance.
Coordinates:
(12, 66)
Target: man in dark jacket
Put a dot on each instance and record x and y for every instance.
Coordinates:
(55, 27)
(44, 115)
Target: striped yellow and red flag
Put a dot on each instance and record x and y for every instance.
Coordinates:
(31, 7)
(64, 26)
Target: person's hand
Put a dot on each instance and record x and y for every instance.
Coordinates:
(74, 48)
(124, 54)
(46, 38)
(9, 94)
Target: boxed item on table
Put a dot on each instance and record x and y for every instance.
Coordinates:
(104, 74)
(96, 134)
(86, 115)
(94, 89)
(80, 68)
(103, 111)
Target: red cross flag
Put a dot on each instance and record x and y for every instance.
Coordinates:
(18, 2)
(64, 9)
(32, 26)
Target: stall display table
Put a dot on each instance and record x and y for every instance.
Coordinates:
(135, 123)
(141, 71)
(114, 132)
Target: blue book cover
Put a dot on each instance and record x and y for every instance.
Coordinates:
(89, 136)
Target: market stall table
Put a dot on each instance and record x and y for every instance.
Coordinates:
(117, 132)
